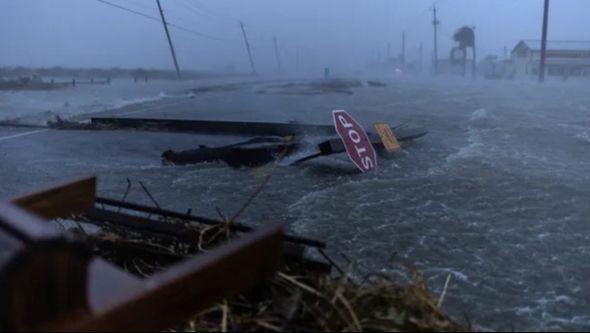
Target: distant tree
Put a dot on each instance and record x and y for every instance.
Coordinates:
(465, 36)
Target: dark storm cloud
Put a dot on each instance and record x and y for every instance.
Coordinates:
(343, 34)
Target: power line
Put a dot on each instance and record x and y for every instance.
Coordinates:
(200, 6)
(140, 4)
(200, 9)
(153, 18)
(192, 9)
(188, 16)
(129, 10)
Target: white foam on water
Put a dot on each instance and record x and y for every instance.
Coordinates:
(140, 100)
(478, 114)
(474, 148)
(456, 274)
(584, 136)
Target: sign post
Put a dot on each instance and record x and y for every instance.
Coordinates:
(355, 139)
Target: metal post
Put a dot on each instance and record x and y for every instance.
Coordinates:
(248, 49)
(169, 39)
(544, 42)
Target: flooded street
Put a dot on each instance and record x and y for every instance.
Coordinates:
(495, 195)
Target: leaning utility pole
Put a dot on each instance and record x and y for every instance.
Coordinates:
(169, 39)
(544, 42)
(248, 49)
(435, 23)
(277, 55)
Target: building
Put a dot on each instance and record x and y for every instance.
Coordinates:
(564, 58)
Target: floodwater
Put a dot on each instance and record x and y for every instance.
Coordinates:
(496, 195)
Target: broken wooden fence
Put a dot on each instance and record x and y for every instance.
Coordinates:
(49, 281)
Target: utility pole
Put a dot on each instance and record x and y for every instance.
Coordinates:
(277, 55)
(248, 49)
(169, 39)
(403, 58)
(435, 23)
(544, 43)
(474, 64)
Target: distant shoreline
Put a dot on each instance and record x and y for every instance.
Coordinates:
(115, 72)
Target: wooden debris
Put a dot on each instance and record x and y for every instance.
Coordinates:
(73, 198)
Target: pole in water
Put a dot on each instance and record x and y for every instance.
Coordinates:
(169, 39)
(248, 49)
(544, 42)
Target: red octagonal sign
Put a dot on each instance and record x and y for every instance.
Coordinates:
(357, 143)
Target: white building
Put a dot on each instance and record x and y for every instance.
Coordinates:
(564, 58)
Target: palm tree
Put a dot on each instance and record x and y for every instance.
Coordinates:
(465, 36)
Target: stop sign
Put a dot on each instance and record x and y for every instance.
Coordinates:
(357, 143)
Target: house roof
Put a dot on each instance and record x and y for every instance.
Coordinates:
(555, 45)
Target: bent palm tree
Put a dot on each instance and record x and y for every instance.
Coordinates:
(465, 36)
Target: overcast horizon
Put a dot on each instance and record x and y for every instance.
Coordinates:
(342, 34)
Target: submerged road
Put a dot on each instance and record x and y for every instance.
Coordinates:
(496, 195)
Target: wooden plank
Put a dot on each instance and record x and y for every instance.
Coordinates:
(213, 127)
(96, 214)
(106, 280)
(240, 128)
(61, 201)
(25, 226)
(182, 291)
(43, 274)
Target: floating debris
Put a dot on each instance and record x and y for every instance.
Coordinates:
(320, 87)
(376, 84)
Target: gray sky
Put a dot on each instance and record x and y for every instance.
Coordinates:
(343, 34)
